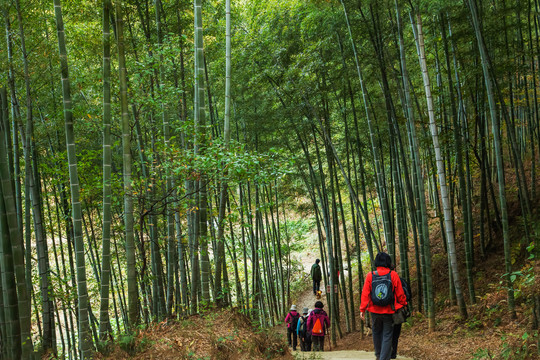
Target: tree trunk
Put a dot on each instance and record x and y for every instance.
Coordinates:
(133, 293)
(104, 324)
(419, 37)
(498, 153)
(85, 339)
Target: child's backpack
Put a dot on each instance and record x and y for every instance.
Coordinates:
(294, 321)
(317, 327)
(381, 289)
(303, 327)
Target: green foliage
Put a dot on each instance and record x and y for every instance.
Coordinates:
(482, 354)
(513, 347)
(524, 280)
(104, 347)
(474, 323)
(132, 343)
(127, 343)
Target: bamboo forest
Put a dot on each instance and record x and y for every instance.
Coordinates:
(171, 170)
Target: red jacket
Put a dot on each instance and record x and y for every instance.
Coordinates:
(399, 295)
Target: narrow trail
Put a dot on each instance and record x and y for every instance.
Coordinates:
(342, 354)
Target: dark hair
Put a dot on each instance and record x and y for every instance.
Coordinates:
(319, 305)
(383, 260)
(317, 261)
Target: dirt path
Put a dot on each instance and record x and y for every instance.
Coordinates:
(338, 355)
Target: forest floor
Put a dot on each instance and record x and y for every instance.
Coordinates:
(221, 334)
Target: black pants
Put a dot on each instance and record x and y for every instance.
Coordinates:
(318, 343)
(305, 343)
(395, 339)
(383, 330)
(316, 286)
(294, 340)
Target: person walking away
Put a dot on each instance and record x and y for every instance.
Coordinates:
(292, 322)
(318, 323)
(397, 327)
(301, 330)
(382, 295)
(316, 276)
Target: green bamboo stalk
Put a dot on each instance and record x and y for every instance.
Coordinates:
(448, 221)
(133, 297)
(24, 302)
(381, 190)
(495, 127)
(104, 323)
(12, 337)
(85, 339)
(200, 131)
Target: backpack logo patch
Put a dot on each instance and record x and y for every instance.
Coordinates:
(381, 291)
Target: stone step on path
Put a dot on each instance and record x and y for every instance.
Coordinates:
(339, 355)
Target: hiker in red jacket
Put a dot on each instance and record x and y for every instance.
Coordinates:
(292, 322)
(317, 324)
(382, 295)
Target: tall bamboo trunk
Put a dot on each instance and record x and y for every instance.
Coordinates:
(85, 339)
(133, 294)
(495, 127)
(10, 309)
(458, 148)
(448, 221)
(381, 190)
(200, 123)
(220, 256)
(104, 324)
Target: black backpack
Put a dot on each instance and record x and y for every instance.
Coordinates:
(382, 293)
(406, 289)
(294, 321)
(408, 295)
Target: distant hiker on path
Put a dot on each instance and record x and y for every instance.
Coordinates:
(303, 335)
(318, 323)
(316, 276)
(382, 295)
(292, 323)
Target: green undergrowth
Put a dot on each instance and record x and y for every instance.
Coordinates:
(220, 334)
(513, 347)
